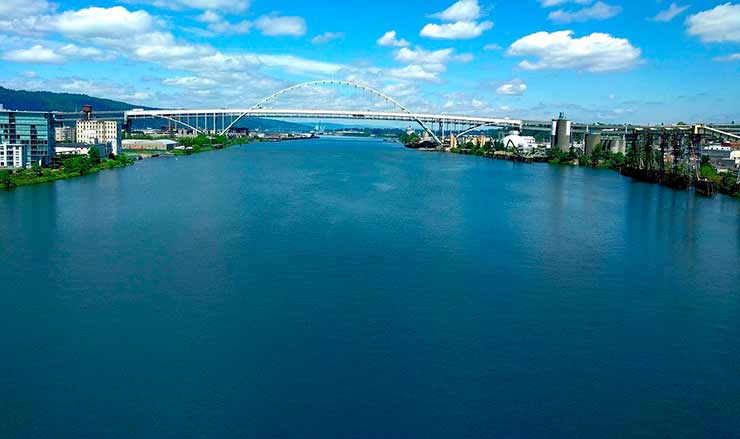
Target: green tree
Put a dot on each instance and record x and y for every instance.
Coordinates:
(79, 164)
(6, 180)
(36, 169)
(94, 155)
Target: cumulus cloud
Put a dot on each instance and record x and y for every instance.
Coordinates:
(597, 11)
(327, 37)
(415, 72)
(390, 39)
(514, 87)
(275, 25)
(213, 5)
(464, 10)
(37, 54)
(552, 3)
(95, 22)
(24, 8)
(461, 30)
(426, 65)
(218, 24)
(717, 25)
(461, 22)
(598, 52)
(669, 14)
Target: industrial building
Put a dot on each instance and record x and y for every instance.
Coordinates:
(562, 131)
(65, 134)
(150, 145)
(83, 149)
(92, 131)
(26, 138)
(525, 144)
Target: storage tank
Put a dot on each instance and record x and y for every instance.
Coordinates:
(591, 141)
(561, 133)
(615, 145)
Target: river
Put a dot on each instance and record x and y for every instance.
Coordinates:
(341, 288)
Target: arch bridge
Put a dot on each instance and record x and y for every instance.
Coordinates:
(221, 121)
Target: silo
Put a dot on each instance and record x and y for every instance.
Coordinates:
(592, 140)
(561, 133)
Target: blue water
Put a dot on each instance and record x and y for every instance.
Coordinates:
(352, 288)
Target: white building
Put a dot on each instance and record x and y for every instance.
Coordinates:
(515, 140)
(150, 145)
(92, 131)
(65, 134)
(13, 156)
(83, 149)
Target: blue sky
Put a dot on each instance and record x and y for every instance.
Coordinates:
(645, 61)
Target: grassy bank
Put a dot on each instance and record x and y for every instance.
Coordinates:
(70, 168)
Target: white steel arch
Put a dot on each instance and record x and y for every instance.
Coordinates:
(335, 82)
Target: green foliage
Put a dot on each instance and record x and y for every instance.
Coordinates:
(409, 139)
(48, 101)
(557, 157)
(6, 180)
(80, 165)
(94, 156)
(708, 171)
(585, 160)
(36, 169)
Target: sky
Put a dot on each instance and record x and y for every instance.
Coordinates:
(614, 61)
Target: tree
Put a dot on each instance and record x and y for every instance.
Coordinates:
(6, 180)
(79, 164)
(94, 155)
(37, 170)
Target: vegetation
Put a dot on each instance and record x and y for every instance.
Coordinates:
(48, 101)
(70, 167)
(409, 139)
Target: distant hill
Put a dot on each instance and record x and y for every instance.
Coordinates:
(49, 101)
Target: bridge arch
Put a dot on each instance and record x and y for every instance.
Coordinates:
(324, 82)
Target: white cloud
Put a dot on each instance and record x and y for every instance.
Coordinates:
(598, 11)
(551, 3)
(37, 54)
(327, 37)
(416, 72)
(97, 22)
(73, 51)
(461, 30)
(24, 8)
(718, 25)
(390, 39)
(597, 52)
(728, 58)
(190, 82)
(669, 14)
(275, 25)
(464, 10)
(491, 47)
(513, 88)
(218, 24)
(213, 5)
(420, 55)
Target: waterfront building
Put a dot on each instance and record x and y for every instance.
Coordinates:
(93, 131)
(26, 138)
(150, 145)
(65, 134)
(83, 149)
(514, 140)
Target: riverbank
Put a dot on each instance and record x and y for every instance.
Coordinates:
(70, 168)
(709, 183)
(78, 166)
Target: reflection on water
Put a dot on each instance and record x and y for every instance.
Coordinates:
(353, 288)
